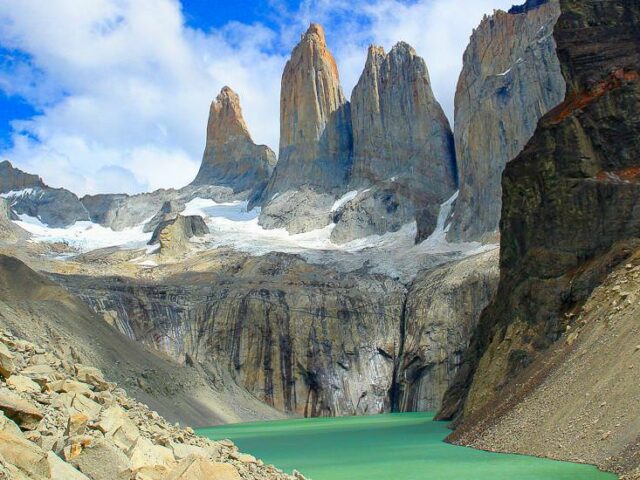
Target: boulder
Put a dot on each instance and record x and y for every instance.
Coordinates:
(102, 460)
(20, 383)
(27, 457)
(7, 365)
(196, 468)
(61, 470)
(24, 412)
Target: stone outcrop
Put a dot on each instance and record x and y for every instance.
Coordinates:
(231, 159)
(27, 194)
(570, 200)
(173, 234)
(510, 78)
(315, 121)
(401, 141)
(94, 431)
(14, 179)
(442, 310)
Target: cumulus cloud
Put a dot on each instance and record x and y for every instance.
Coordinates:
(123, 87)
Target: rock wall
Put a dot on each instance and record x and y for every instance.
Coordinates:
(570, 201)
(442, 311)
(231, 159)
(299, 337)
(14, 179)
(402, 146)
(303, 338)
(510, 78)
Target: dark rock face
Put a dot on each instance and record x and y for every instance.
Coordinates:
(315, 121)
(402, 145)
(510, 78)
(55, 207)
(14, 179)
(570, 200)
(101, 206)
(231, 159)
(28, 194)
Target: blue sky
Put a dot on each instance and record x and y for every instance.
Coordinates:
(113, 95)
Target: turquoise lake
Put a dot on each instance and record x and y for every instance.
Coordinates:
(406, 446)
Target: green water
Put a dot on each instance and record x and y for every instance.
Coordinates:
(404, 446)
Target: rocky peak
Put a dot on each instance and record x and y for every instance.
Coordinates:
(402, 146)
(315, 124)
(14, 179)
(225, 118)
(231, 158)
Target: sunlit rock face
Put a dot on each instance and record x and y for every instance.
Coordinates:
(231, 159)
(510, 78)
(315, 122)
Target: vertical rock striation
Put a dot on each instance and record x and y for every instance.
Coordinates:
(570, 201)
(231, 159)
(402, 143)
(315, 123)
(510, 78)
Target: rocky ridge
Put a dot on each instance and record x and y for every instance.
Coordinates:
(510, 78)
(60, 421)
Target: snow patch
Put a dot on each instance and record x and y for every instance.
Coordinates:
(84, 235)
(346, 198)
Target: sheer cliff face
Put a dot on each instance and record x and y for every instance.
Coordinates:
(402, 146)
(315, 123)
(399, 129)
(570, 200)
(510, 78)
(231, 158)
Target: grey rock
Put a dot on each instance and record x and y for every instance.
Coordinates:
(14, 179)
(298, 210)
(510, 78)
(55, 207)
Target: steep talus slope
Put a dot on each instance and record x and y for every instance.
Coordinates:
(570, 205)
(579, 402)
(510, 78)
(231, 158)
(403, 155)
(9, 231)
(35, 308)
(61, 420)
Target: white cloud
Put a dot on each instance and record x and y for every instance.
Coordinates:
(124, 86)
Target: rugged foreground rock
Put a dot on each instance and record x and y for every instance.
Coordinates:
(231, 159)
(60, 421)
(510, 78)
(569, 212)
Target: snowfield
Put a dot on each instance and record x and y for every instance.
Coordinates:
(231, 225)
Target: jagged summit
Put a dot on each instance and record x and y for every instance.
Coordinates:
(14, 179)
(315, 124)
(231, 158)
(225, 118)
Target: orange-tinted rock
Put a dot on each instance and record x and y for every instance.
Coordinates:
(231, 158)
